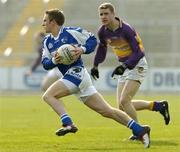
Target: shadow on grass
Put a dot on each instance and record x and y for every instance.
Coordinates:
(99, 149)
(154, 143)
(104, 149)
(160, 143)
(164, 143)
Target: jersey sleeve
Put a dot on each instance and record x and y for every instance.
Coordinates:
(136, 46)
(47, 58)
(86, 40)
(101, 49)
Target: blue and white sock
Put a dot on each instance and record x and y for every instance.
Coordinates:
(135, 127)
(66, 120)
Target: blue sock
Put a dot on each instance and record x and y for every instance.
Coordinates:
(135, 127)
(157, 106)
(66, 120)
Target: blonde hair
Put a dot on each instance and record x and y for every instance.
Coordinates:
(107, 6)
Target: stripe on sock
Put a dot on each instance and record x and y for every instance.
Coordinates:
(64, 115)
(130, 123)
(151, 105)
(66, 120)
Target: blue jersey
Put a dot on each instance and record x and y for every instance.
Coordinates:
(67, 35)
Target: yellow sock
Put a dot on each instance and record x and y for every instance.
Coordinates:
(151, 105)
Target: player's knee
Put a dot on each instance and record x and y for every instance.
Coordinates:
(46, 97)
(123, 102)
(120, 107)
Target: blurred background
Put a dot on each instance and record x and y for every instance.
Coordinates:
(157, 22)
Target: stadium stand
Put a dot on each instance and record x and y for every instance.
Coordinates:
(156, 22)
(29, 16)
(9, 14)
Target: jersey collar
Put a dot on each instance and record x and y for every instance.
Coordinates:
(120, 23)
(60, 31)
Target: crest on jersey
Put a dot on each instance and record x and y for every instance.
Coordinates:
(50, 45)
(64, 40)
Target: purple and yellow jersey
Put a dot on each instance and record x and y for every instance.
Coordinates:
(125, 43)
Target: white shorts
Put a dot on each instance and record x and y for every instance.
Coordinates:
(54, 72)
(138, 73)
(78, 80)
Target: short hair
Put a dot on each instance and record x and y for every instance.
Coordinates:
(107, 6)
(57, 15)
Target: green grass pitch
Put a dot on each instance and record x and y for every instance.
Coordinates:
(27, 124)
